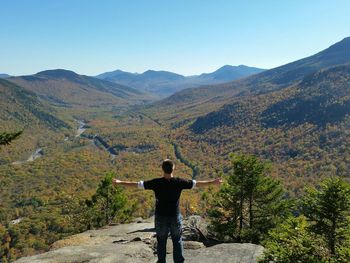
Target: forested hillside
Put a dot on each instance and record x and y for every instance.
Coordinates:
(295, 115)
(65, 88)
(21, 110)
(22, 107)
(303, 128)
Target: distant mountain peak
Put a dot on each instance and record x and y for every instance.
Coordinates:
(4, 76)
(236, 67)
(227, 67)
(57, 73)
(344, 40)
(115, 74)
(164, 83)
(160, 73)
(229, 72)
(119, 71)
(343, 45)
(150, 71)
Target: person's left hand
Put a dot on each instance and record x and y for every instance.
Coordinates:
(218, 181)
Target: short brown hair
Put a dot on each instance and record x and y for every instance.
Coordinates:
(168, 166)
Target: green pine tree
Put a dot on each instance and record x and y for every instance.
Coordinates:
(328, 209)
(6, 138)
(107, 203)
(249, 204)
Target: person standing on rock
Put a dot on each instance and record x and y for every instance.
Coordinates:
(167, 190)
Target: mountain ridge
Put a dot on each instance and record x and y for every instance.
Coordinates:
(4, 76)
(22, 105)
(229, 73)
(67, 88)
(321, 98)
(200, 101)
(165, 82)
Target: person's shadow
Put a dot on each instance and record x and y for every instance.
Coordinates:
(143, 230)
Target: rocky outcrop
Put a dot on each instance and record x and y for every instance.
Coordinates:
(136, 242)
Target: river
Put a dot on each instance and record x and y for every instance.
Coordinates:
(81, 127)
(37, 154)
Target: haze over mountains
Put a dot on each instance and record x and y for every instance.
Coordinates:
(164, 83)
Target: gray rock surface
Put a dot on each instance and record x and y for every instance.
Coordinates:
(225, 253)
(136, 242)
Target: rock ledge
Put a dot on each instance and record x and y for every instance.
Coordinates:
(135, 243)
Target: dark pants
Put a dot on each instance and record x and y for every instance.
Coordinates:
(163, 224)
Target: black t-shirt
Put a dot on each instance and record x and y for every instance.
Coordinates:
(167, 192)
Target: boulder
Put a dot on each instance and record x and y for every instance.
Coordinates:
(195, 228)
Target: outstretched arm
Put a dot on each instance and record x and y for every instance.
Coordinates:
(216, 181)
(125, 183)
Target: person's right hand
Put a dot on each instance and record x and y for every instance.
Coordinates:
(116, 181)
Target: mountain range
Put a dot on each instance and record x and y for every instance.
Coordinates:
(66, 88)
(321, 98)
(164, 83)
(198, 101)
(296, 115)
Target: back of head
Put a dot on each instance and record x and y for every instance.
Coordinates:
(168, 166)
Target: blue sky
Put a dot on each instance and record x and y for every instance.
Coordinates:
(183, 36)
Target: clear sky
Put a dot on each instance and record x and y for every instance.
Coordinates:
(183, 36)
